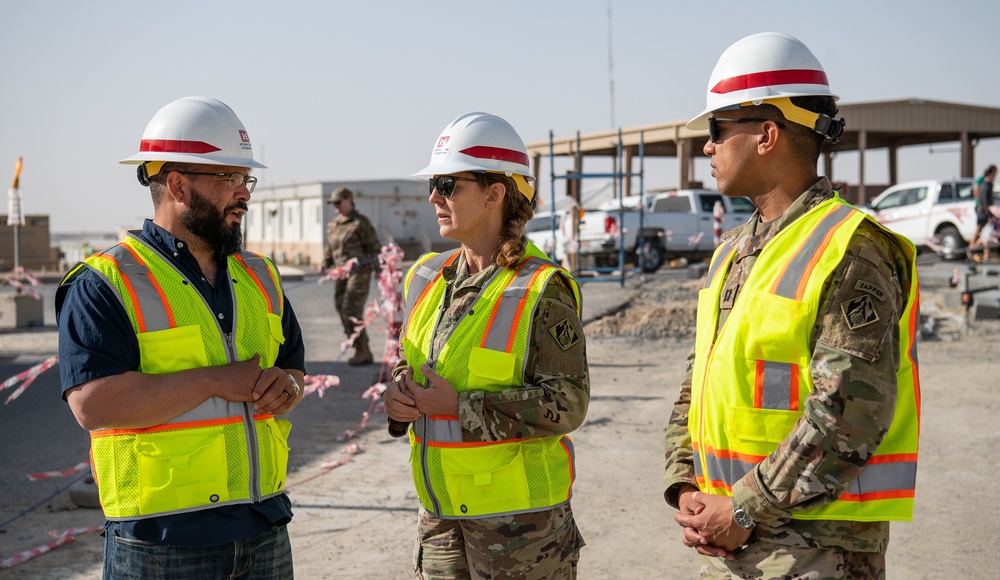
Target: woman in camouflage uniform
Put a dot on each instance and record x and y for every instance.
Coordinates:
(494, 372)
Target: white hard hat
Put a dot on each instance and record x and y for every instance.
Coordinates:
(195, 130)
(481, 142)
(762, 67)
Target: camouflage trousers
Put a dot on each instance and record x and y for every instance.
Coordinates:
(349, 297)
(537, 545)
(766, 560)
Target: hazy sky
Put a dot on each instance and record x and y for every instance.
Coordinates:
(333, 90)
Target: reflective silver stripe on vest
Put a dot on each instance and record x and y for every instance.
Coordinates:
(568, 444)
(777, 385)
(721, 258)
(885, 477)
(423, 275)
(258, 266)
(508, 306)
(777, 380)
(439, 430)
(795, 274)
(153, 311)
(728, 471)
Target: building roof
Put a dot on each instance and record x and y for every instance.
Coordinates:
(886, 123)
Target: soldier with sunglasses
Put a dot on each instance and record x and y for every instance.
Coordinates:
(793, 442)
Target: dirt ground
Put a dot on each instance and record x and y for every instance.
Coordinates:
(358, 520)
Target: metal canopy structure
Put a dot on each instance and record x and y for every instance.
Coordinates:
(875, 125)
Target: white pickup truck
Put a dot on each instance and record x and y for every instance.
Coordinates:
(676, 223)
(940, 215)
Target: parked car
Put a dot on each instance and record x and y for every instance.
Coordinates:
(935, 214)
(674, 224)
(545, 231)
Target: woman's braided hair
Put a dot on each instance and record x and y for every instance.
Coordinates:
(517, 210)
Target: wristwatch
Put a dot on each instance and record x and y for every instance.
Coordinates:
(742, 518)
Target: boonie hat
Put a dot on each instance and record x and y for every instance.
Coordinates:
(340, 195)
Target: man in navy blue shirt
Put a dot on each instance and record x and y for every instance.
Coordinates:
(176, 335)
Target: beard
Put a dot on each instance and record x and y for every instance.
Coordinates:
(206, 221)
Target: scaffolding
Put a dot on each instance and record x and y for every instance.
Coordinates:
(614, 273)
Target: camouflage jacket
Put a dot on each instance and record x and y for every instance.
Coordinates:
(848, 412)
(351, 236)
(556, 393)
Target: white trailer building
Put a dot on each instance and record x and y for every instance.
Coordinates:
(288, 223)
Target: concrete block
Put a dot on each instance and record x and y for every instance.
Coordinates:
(696, 271)
(20, 310)
(986, 310)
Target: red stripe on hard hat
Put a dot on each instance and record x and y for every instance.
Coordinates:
(484, 152)
(771, 78)
(176, 146)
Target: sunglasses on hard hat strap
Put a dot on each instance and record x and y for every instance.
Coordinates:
(713, 127)
(445, 185)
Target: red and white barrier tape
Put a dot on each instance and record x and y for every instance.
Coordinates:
(28, 376)
(83, 466)
(60, 539)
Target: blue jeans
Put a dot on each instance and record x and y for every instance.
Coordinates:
(266, 557)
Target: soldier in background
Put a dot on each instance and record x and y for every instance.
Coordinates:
(351, 235)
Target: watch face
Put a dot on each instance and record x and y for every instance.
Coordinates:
(742, 518)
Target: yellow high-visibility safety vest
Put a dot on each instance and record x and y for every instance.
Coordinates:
(750, 382)
(485, 351)
(220, 452)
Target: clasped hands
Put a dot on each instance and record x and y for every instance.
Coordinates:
(270, 390)
(707, 521)
(405, 400)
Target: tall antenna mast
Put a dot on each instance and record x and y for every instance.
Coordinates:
(611, 67)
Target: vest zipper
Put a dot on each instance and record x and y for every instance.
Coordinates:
(249, 426)
(426, 422)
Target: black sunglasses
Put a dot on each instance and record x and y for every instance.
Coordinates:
(445, 185)
(713, 127)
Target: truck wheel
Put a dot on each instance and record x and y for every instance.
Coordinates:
(951, 243)
(652, 257)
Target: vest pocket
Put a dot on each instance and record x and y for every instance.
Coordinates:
(273, 437)
(776, 329)
(490, 370)
(182, 469)
(275, 340)
(172, 350)
(757, 431)
(487, 479)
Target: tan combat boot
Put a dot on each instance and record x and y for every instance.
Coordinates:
(362, 354)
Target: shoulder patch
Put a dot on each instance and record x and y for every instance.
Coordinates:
(859, 312)
(564, 334)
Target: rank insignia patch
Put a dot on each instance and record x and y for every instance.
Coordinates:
(564, 334)
(859, 311)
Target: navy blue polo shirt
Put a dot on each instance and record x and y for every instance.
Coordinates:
(96, 340)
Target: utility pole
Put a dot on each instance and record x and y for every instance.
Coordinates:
(611, 67)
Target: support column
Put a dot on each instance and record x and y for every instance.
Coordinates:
(893, 165)
(862, 147)
(683, 161)
(968, 156)
(828, 165)
(627, 162)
